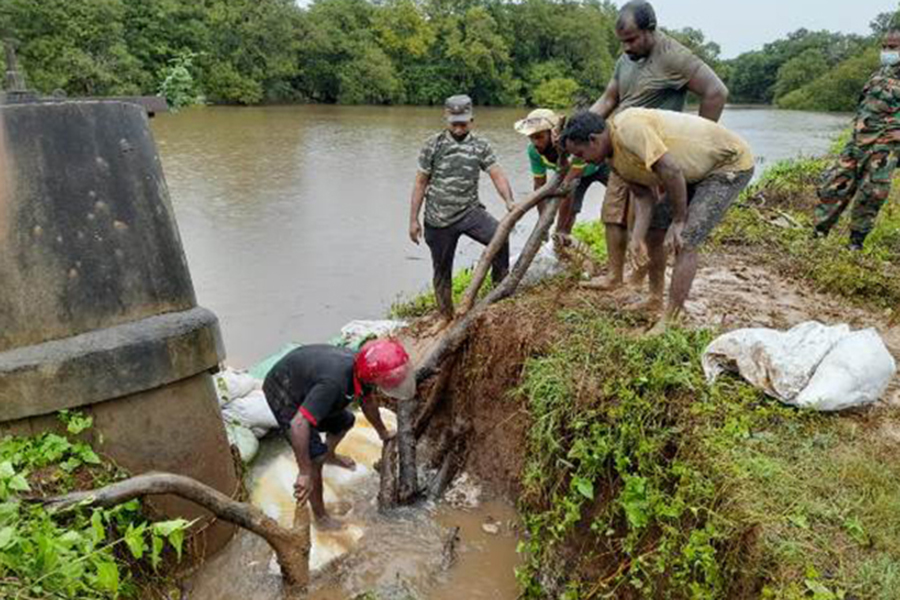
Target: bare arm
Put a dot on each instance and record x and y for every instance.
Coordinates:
(300, 433)
(608, 101)
(539, 181)
(713, 93)
(673, 181)
(373, 415)
(501, 183)
(415, 206)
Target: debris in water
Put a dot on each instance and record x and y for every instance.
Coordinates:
(464, 492)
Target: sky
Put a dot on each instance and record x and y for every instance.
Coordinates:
(739, 26)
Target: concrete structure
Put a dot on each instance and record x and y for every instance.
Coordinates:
(97, 307)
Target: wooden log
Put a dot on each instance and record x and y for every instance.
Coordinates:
(406, 451)
(435, 398)
(291, 546)
(551, 189)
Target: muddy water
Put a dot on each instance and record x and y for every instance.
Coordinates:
(294, 218)
(402, 556)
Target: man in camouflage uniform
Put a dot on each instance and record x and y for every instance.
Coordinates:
(866, 165)
(447, 182)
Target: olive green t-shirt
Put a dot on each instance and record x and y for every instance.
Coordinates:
(453, 167)
(659, 80)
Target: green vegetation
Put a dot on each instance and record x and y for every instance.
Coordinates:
(643, 481)
(537, 52)
(774, 221)
(807, 70)
(80, 553)
(423, 303)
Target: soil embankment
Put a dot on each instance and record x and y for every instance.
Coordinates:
(721, 492)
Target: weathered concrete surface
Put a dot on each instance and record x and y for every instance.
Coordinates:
(97, 307)
(107, 363)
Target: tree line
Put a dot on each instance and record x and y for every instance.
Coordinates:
(534, 52)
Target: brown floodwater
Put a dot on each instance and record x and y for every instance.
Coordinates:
(294, 219)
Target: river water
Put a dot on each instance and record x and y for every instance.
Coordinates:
(294, 219)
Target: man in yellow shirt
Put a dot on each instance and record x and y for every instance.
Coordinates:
(701, 166)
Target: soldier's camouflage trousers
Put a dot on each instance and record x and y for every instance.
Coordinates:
(864, 173)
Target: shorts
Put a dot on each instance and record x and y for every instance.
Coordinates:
(279, 402)
(708, 201)
(601, 175)
(615, 202)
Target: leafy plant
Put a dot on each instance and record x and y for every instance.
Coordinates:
(78, 553)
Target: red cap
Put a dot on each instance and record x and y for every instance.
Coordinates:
(384, 363)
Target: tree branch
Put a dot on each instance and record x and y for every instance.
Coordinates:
(291, 546)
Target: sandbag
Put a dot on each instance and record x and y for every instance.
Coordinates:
(780, 363)
(855, 372)
(355, 333)
(232, 384)
(544, 266)
(243, 439)
(252, 411)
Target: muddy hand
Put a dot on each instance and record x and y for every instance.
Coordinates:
(302, 488)
(415, 232)
(674, 240)
(638, 257)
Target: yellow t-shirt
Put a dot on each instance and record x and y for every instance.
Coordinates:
(698, 146)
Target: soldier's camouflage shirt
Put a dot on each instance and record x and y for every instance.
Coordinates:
(878, 113)
(454, 168)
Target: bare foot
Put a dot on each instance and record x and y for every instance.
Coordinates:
(328, 523)
(647, 305)
(606, 284)
(660, 328)
(339, 460)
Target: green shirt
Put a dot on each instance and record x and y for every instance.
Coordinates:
(453, 168)
(659, 80)
(540, 164)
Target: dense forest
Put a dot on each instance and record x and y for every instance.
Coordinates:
(534, 52)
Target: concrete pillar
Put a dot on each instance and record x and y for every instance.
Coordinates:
(97, 308)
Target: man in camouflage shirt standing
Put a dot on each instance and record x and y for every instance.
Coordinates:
(447, 182)
(866, 165)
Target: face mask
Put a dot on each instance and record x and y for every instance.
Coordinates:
(889, 58)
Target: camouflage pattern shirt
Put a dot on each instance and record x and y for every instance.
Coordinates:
(878, 113)
(453, 168)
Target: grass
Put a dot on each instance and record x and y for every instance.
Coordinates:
(778, 230)
(670, 488)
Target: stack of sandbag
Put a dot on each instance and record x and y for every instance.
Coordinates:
(826, 368)
(245, 410)
(355, 333)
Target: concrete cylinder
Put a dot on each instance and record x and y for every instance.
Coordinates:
(97, 308)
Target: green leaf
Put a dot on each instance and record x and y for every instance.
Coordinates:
(78, 423)
(176, 538)
(584, 486)
(88, 455)
(156, 547)
(7, 537)
(98, 531)
(134, 538)
(108, 577)
(19, 484)
(6, 470)
(165, 528)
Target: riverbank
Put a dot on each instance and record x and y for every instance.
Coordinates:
(636, 479)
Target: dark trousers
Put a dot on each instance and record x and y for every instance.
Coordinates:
(479, 225)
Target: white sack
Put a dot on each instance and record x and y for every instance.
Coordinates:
(778, 362)
(243, 438)
(355, 331)
(232, 384)
(856, 372)
(252, 411)
(544, 266)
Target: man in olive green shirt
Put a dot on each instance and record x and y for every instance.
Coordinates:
(450, 164)
(655, 71)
